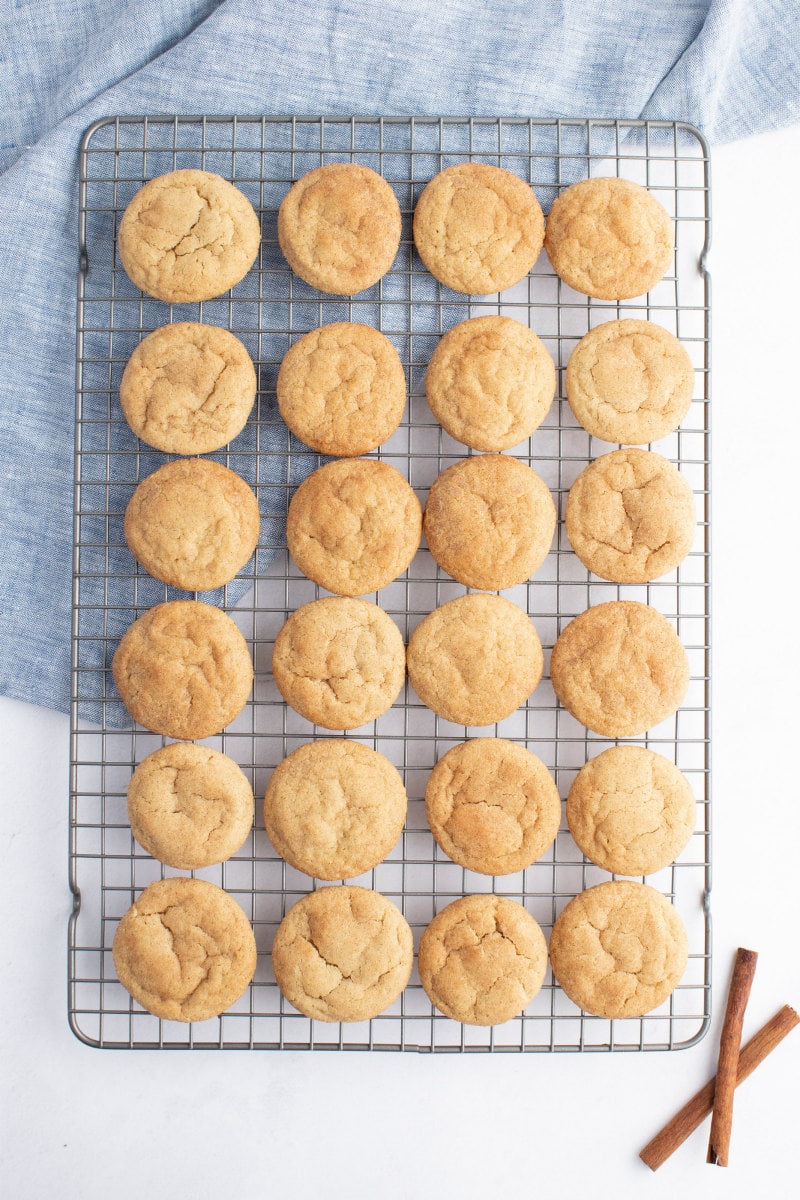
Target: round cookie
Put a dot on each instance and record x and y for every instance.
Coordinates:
(342, 389)
(189, 806)
(631, 811)
(185, 950)
(619, 949)
(334, 808)
(475, 659)
(339, 228)
(489, 521)
(629, 381)
(353, 526)
(192, 524)
(188, 388)
(339, 662)
(492, 806)
(478, 229)
(188, 235)
(343, 954)
(609, 238)
(183, 669)
(620, 668)
(482, 959)
(490, 382)
(630, 516)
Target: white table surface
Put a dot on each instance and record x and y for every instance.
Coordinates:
(80, 1124)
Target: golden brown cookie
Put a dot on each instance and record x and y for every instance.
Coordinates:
(192, 524)
(489, 521)
(185, 950)
(492, 806)
(343, 954)
(334, 808)
(475, 659)
(629, 381)
(183, 669)
(609, 238)
(631, 811)
(188, 388)
(630, 516)
(339, 662)
(339, 228)
(482, 959)
(619, 949)
(354, 526)
(620, 668)
(490, 382)
(342, 389)
(190, 806)
(188, 235)
(478, 229)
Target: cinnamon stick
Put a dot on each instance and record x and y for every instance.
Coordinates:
(744, 968)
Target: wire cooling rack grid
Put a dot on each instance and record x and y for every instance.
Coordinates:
(268, 311)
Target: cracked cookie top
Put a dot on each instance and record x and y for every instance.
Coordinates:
(334, 808)
(185, 950)
(478, 229)
(489, 521)
(492, 806)
(609, 238)
(343, 954)
(630, 516)
(342, 389)
(629, 381)
(183, 669)
(189, 806)
(188, 235)
(631, 811)
(619, 949)
(339, 228)
(353, 526)
(482, 959)
(339, 662)
(490, 382)
(620, 668)
(475, 659)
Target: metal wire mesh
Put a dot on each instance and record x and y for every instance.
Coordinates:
(268, 311)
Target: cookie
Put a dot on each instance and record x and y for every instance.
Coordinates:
(482, 959)
(619, 949)
(631, 811)
(620, 668)
(339, 662)
(492, 806)
(343, 954)
(192, 524)
(334, 808)
(183, 669)
(342, 389)
(185, 950)
(630, 382)
(630, 516)
(188, 388)
(189, 806)
(353, 526)
(339, 228)
(478, 229)
(490, 382)
(489, 521)
(609, 238)
(475, 659)
(188, 235)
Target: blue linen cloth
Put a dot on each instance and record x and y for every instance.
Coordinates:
(731, 67)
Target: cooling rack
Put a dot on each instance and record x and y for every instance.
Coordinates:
(269, 310)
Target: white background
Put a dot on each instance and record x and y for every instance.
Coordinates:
(80, 1124)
